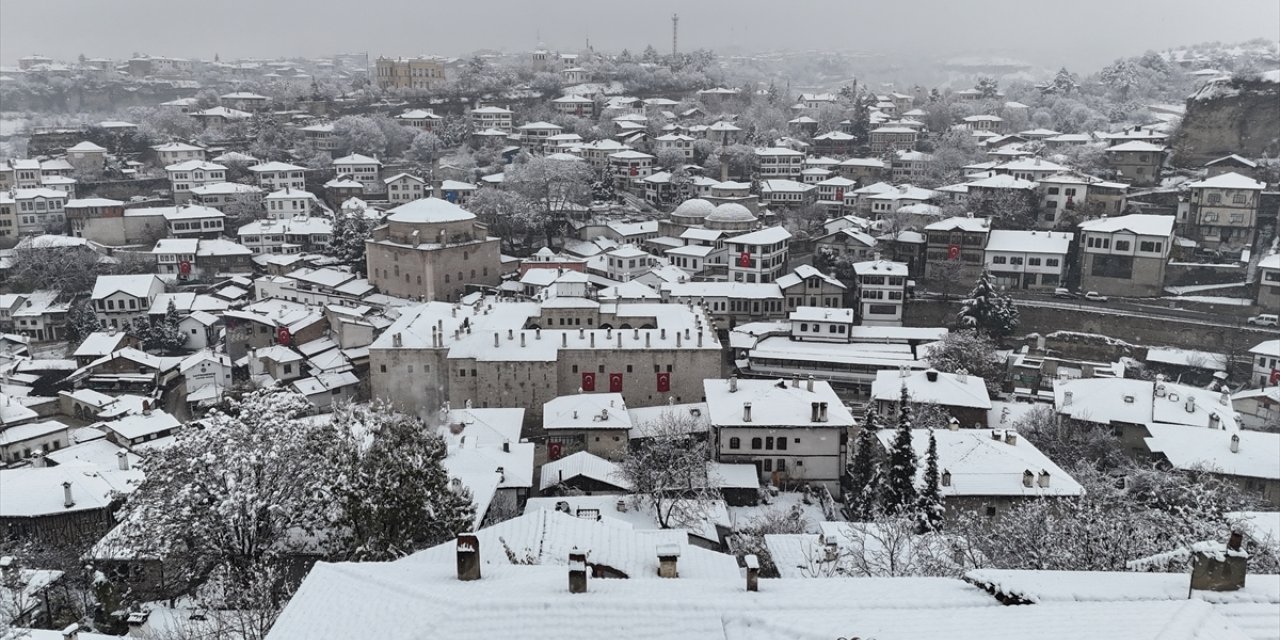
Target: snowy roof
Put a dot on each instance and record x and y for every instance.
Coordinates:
(1228, 181)
(1049, 242)
(224, 188)
(86, 147)
(100, 343)
(275, 166)
(191, 212)
(420, 596)
(766, 236)
(1143, 224)
(880, 267)
(775, 403)
(1188, 448)
(140, 425)
(1232, 159)
(1002, 181)
(14, 434)
(176, 146)
(138, 286)
(1142, 402)
(963, 223)
(948, 390)
(1136, 145)
(355, 159)
(429, 210)
(586, 465)
(821, 314)
(38, 491)
(1187, 358)
(983, 462)
(804, 272)
(784, 186)
(586, 411)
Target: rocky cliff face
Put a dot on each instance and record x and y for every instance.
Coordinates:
(1230, 116)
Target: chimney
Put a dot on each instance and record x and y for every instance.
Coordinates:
(1191, 404)
(71, 632)
(564, 340)
(668, 556)
(1235, 443)
(953, 425)
(809, 384)
(577, 571)
(537, 333)
(67, 500)
(746, 412)
(522, 343)
(815, 412)
(37, 460)
(1215, 569)
(795, 381)
(699, 338)
(497, 337)
(931, 375)
(468, 557)
(593, 340)
(621, 506)
(1066, 398)
(1028, 478)
(733, 384)
(753, 572)
(122, 460)
(946, 477)
(135, 622)
(8, 569)
(1043, 480)
(397, 340)
(511, 334)
(1010, 437)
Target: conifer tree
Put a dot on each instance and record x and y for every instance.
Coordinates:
(929, 505)
(898, 492)
(863, 477)
(988, 310)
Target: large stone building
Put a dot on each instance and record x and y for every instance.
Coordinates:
(522, 354)
(412, 73)
(431, 249)
(1222, 212)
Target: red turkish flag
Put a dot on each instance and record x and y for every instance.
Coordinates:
(840, 195)
(953, 252)
(554, 450)
(664, 382)
(283, 336)
(615, 383)
(1275, 377)
(184, 267)
(588, 381)
(635, 171)
(744, 259)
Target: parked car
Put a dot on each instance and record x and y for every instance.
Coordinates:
(1063, 292)
(1265, 320)
(1095, 296)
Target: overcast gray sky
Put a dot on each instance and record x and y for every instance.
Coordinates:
(1080, 33)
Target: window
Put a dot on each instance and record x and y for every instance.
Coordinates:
(288, 368)
(767, 465)
(781, 466)
(1215, 198)
(999, 260)
(1239, 198)
(382, 368)
(991, 512)
(757, 443)
(1050, 262)
(782, 444)
(1122, 245)
(735, 443)
(1033, 262)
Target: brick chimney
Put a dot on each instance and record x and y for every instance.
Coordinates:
(577, 571)
(668, 556)
(753, 572)
(1214, 569)
(468, 557)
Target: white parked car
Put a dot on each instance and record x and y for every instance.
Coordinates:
(1095, 296)
(1264, 320)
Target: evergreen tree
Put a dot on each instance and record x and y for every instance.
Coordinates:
(396, 497)
(863, 481)
(988, 310)
(929, 504)
(166, 335)
(81, 321)
(898, 492)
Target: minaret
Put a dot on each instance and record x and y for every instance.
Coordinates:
(675, 31)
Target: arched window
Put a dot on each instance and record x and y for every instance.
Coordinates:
(756, 443)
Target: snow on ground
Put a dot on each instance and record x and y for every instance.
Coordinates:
(1197, 288)
(784, 502)
(1236, 302)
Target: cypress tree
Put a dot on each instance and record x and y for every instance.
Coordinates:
(863, 478)
(899, 491)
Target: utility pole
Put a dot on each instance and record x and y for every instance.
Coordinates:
(675, 32)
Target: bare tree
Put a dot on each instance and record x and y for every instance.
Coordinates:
(669, 469)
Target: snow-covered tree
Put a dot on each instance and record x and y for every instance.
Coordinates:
(358, 134)
(1064, 83)
(988, 310)
(862, 492)
(898, 489)
(509, 215)
(81, 321)
(350, 230)
(971, 352)
(557, 189)
(603, 189)
(929, 503)
(41, 263)
(669, 469)
(988, 87)
(165, 335)
(394, 494)
(236, 490)
(425, 148)
(669, 159)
